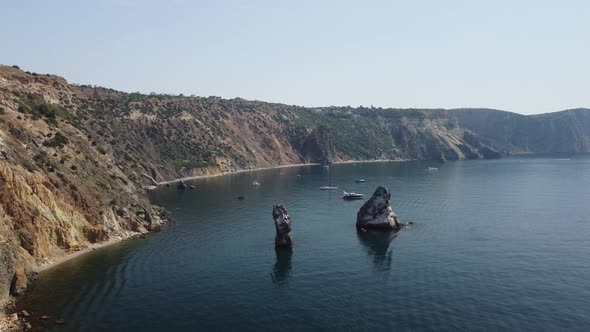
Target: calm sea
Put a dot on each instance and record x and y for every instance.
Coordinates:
(497, 245)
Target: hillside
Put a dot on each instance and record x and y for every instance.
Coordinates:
(560, 132)
(75, 160)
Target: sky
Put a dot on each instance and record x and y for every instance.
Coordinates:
(522, 56)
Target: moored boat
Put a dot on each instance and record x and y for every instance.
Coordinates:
(328, 188)
(352, 196)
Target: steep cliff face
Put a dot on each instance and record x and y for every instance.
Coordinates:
(74, 160)
(560, 132)
(318, 147)
(58, 191)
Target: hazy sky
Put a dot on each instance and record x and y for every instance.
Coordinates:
(522, 56)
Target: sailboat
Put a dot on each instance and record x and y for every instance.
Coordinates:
(329, 186)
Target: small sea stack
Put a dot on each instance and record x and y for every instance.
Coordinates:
(181, 185)
(377, 214)
(284, 237)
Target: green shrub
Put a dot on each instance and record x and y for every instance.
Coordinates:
(58, 140)
(63, 177)
(41, 158)
(101, 150)
(23, 108)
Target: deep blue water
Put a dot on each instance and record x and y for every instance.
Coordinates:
(502, 244)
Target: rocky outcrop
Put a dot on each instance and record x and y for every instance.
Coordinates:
(318, 147)
(558, 132)
(284, 236)
(377, 214)
(489, 153)
(181, 185)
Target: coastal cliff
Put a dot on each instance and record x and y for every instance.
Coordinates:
(75, 160)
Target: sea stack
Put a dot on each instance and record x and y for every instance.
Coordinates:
(284, 237)
(377, 214)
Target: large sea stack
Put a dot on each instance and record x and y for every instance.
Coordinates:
(284, 237)
(377, 214)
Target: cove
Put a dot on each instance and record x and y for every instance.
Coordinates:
(498, 244)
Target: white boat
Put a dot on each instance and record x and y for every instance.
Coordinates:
(359, 180)
(255, 183)
(351, 196)
(328, 188)
(432, 169)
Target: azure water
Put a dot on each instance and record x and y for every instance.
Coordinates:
(497, 244)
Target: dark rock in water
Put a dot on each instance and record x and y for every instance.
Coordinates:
(377, 214)
(192, 187)
(241, 197)
(181, 185)
(167, 184)
(489, 153)
(441, 159)
(284, 237)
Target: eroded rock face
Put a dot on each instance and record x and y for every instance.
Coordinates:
(284, 237)
(489, 153)
(377, 214)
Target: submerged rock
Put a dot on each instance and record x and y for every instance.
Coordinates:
(284, 237)
(377, 214)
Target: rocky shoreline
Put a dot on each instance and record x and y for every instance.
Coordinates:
(148, 222)
(196, 177)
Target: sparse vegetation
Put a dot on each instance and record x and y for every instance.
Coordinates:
(41, 158)
(58, 140)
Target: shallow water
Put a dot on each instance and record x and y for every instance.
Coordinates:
(499, 244)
